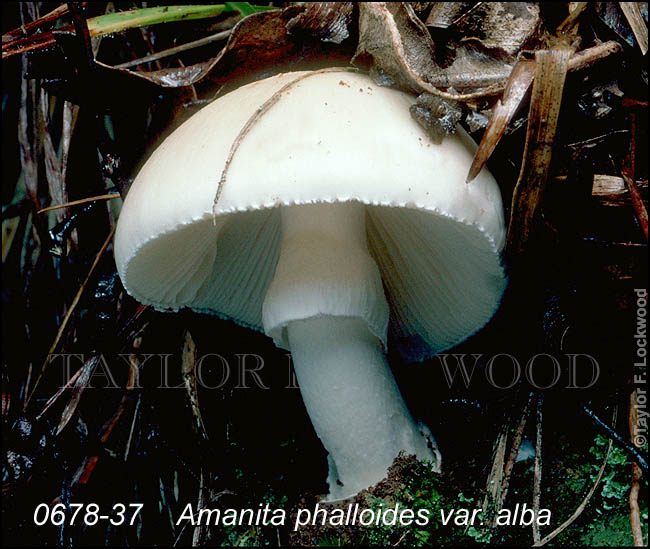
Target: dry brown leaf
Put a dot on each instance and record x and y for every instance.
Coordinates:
(489, 36)
(397, 45)
(188, 369)
(26, 121)
(445, 14)
(85, 373)
(635, 19)
(546, 99)
(473, 69)
(398, 49)
(516, 89)
(502, 26)
(326, 21)
(258, 42)
(53, 173)
(611, 191)
(260, 39)
(611, 14)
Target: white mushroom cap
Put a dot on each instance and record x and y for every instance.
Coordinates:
(332, 137)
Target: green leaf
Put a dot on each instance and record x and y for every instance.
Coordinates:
(245, 8)
(123, 20)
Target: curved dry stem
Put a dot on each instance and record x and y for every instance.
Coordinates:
(255, 117)
(585, 501)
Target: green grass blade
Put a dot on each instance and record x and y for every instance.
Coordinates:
(123, 20)
(245, 8)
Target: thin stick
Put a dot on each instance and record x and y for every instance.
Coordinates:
(115, 22)
(628, 172)
(612, 434)
(587, 57)
(495, 478)
(81, 201)
(82, 32)
(514, 451)
(582, 506)
(177, 49)
(635, 486)
(68, 315)
(577, 62)
(135, 416)
(46, 19)
(537, 478)
(200, 504)
(570, 22)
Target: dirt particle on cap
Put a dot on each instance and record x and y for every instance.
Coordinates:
(343, 83)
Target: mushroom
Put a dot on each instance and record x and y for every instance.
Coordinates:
(340, 228)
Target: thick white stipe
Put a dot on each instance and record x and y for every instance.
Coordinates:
(353, 402)
(326, 304)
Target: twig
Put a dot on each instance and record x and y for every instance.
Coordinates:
(582, 506)
(200, 504)
(628, 173)
(596, 139)
(116, 22)
(495, 478)
(587, 57)
(608, 244)
(566, 26)
(537, 478)
(27, 28)
(635, 486)
(68, 315)
(514, 451)
(613, 435)
(127, 447)
(628, 102)
(177, 49)
(67, 386)
(188, 369)
(81, 201)
(400, 539)
(82, 32)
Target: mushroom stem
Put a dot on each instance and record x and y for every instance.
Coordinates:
(326, 304)
(353, 401)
